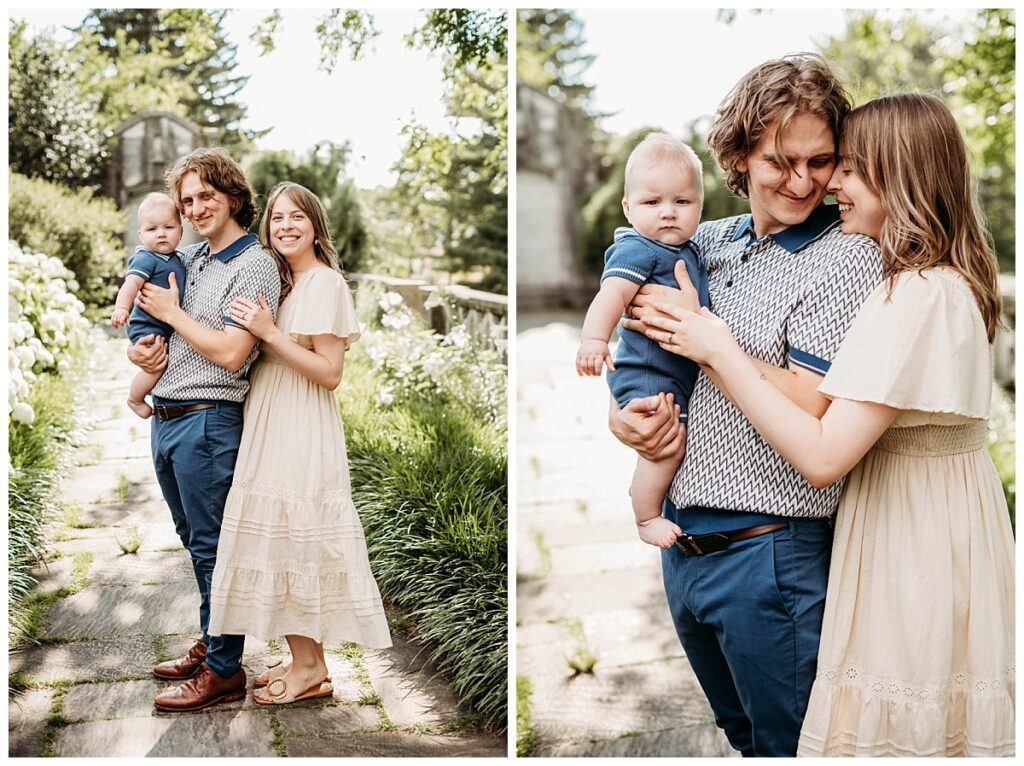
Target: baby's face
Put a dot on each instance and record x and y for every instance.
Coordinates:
(160, 228)
(663, 203)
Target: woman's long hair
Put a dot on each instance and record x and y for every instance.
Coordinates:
(909, 151)
(323, 244)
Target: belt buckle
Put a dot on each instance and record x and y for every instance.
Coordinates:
(165, 412)
(688, 545)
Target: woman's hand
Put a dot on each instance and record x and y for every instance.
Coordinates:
(701, 337)
(256, 319)
(160, 303)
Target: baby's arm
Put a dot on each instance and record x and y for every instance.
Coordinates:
(602, 316)
(125, 299)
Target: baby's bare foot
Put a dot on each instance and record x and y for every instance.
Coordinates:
(141, 409)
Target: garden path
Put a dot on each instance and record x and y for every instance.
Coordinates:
(588, 591)
(88, 690)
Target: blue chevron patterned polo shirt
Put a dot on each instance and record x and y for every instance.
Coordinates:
(788, 298)
(214, 280)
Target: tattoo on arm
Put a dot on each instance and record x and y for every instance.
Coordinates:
(763, 376)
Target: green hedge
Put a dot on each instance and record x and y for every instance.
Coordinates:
(430, 482)
(82, 230)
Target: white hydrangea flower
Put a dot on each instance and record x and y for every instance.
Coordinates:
(23, 413)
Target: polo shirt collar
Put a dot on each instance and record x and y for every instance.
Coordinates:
(798, 236)
(240, 245)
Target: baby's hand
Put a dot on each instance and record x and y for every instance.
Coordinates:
(591, 355)
(659, 532)
(119, 317)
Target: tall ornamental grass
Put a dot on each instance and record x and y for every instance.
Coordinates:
(429, 461)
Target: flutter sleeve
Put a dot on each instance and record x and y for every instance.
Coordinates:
(326, 307)
(924, 348)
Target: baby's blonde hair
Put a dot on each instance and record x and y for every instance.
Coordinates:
(657, 148)
(154, 199)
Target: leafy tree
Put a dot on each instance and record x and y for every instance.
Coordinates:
(549, 55)
(52, 126)
(970, 66)
(322, 171)
(178, 59)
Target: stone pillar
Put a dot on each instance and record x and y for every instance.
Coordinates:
(148, 144)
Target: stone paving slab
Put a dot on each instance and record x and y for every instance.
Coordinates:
(52, 575)
(409, 686)
(209, 734)
(686, 742)
(111, 658)
(581, 595)
(327, 720)
(94, 702)
(112, 611)
(396, 745)
(144, 568)
(26, 722)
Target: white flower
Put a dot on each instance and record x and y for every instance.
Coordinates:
(384, 397)
(26, 355)
(23, 413)
(390, 300)
(15, 332)
(52, 321)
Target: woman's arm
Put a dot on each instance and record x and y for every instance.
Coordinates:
(322, 365)
(801, 386)
(824, 450)
(228, 348)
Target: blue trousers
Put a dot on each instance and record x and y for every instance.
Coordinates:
(749, 619)
(194, 456)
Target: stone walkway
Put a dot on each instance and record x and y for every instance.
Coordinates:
(589, 593)
(88, 686)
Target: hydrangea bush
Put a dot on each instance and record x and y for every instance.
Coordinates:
(409, 358)
(45, 324)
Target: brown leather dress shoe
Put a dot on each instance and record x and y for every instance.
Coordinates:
(204, 689)
(186, 667)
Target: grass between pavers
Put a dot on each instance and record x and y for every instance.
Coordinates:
(526, 737)
(37, 606)
(279, 742)
(354, 654)
(159, 642)
(582, 660)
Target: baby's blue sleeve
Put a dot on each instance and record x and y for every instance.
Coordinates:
(142, 263)
(630, 259)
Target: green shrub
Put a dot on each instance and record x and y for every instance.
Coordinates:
(38, 454)
(82, 230)
(430, 483)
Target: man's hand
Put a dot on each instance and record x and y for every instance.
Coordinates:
(160, 303)
(650, 426)
(684, 298)
(591, 355)
(149, 353)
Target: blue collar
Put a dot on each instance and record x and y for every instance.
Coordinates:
(798, 236)
(624, 232)
(237, 247)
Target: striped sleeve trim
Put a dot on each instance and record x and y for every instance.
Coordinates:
(142, 274)
(808, 361)
(618, 271)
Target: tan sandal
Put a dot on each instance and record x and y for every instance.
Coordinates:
(275, 669)
(279, 693)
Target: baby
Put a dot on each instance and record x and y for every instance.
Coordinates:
(160, 232)
(662, 200)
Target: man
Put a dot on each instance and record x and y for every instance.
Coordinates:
(746, 581)
(197, 421)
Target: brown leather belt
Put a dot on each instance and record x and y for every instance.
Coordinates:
(698, 545)
(171, 411)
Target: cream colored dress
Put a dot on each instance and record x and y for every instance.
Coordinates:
(292, 556)
(917, 644)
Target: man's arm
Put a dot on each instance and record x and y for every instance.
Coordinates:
(649, 425)
(228, 348)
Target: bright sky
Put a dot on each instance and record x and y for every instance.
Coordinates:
(664, 68)
(365, 102)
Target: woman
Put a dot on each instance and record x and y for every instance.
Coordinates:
(292, 557)
(916, 653)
